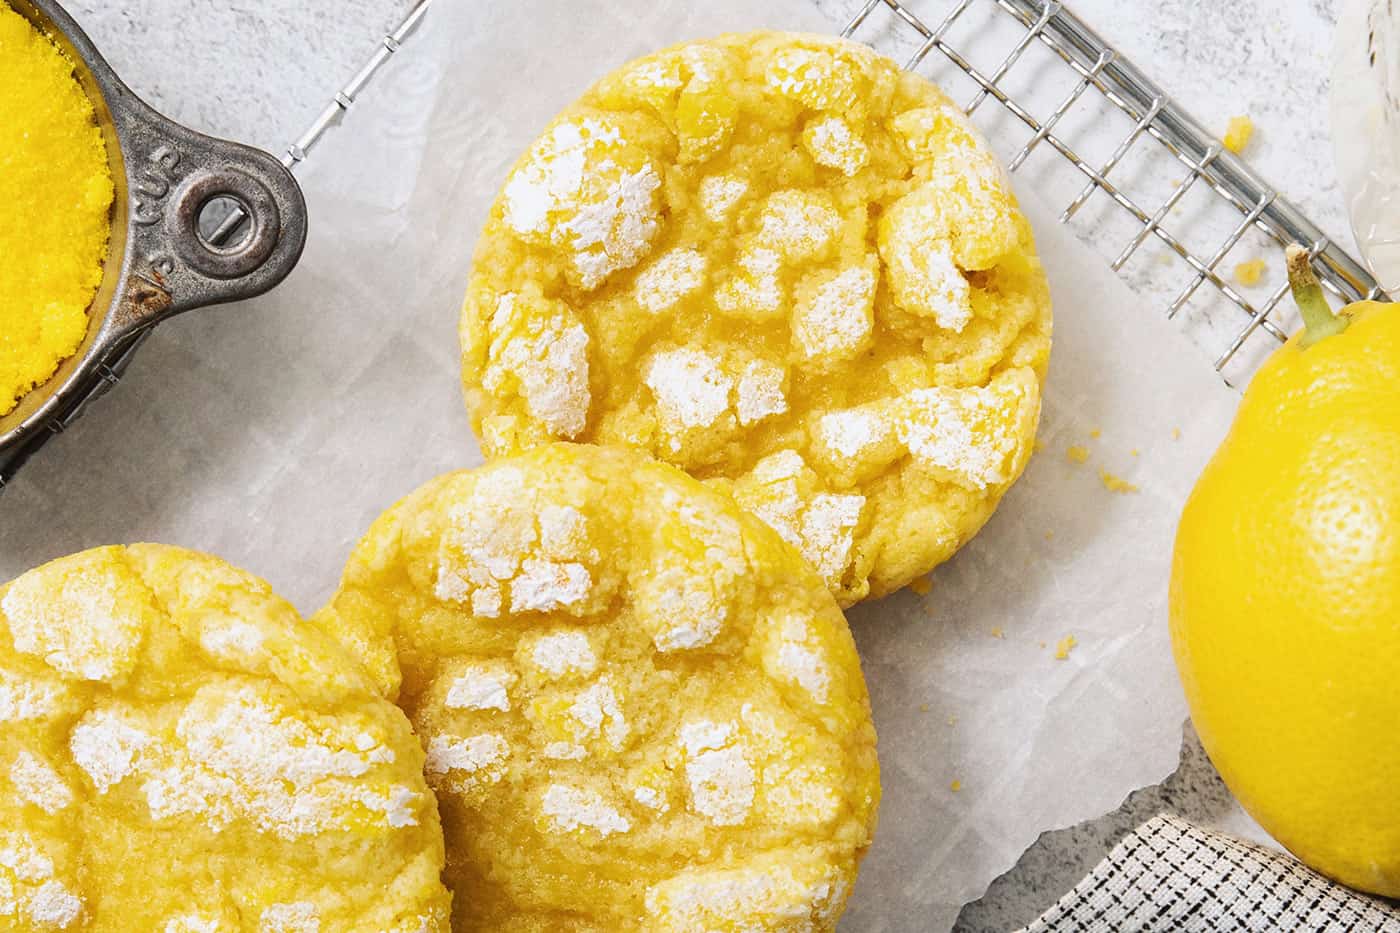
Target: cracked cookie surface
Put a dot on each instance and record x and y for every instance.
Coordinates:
(785, 266)
(641, 709)
(181, 753)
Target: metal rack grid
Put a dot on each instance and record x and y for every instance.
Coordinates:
(1153, 115)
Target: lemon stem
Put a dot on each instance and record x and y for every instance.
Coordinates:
(1319, 321)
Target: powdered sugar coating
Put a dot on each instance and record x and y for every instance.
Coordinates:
(481, 686)
(718, 771)
(226, 741)
(296, 917)
(781, 890)
(36, 782)
(25, 698)
(834, 143)
(573, 808)
(968, 435)
(836, 237)
(461, 765)
(87, 629)
(712, 699)
(669, 279)
(798, 225)
(54, 907)
(760, 392)
(195, 923)
(563, 653)
(547, 360)
(504, 556)
(719, 194)
(820, 525)
(835, 320)
(585, 189)
(691, 389)
(848, 434)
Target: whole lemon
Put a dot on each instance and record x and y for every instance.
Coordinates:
(1285, 594)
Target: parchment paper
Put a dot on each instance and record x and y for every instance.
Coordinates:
(272, 433)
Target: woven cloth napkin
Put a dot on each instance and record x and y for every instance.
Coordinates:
(1170, 875)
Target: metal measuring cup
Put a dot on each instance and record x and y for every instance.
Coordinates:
(159, 263)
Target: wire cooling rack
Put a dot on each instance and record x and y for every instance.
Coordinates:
(1144, 171)
(334, 111)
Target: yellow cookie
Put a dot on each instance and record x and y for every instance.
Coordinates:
(180, 753)
(642, 710)
(785, 266)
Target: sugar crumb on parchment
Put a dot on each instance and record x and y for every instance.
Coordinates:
(1114, 483)
(1250, 272)
(1238, 133)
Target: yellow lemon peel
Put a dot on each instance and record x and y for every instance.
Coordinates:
(1285, 578)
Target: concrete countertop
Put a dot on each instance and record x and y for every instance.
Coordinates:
(259, 71)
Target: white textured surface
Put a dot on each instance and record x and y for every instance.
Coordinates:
(257, 71)
(260, 71)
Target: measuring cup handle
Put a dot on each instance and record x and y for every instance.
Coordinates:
(171, 174)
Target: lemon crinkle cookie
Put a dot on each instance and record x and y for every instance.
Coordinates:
(181, 753)
(641, 709)
(785, 266)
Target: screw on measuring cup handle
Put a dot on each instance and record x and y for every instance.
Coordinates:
(249, 242)
(172, 175)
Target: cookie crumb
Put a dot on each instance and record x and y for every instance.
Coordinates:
(1064, 646)
(923, 586)
(1096, 433)
(1049, 535)
(1176, 434)
(1077, 453)
(1238, 133)
(923, 707)
(955, 786)
(1250, 272)
(998, 633)
(1115, 483)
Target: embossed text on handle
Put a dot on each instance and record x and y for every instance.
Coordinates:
(153, 185)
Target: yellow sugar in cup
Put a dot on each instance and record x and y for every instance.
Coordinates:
(55, 201)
